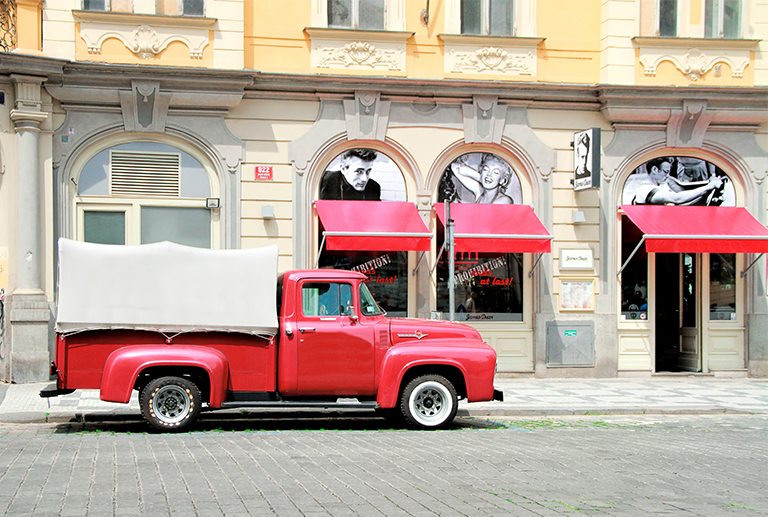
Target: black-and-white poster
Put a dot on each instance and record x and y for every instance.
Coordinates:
(362, 174)
(678, 180)
(480, 178)
(586, 159)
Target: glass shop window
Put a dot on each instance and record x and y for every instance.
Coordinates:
(386, 272)
(634, 277)
(722, 286)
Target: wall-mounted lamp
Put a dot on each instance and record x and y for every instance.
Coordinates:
(425, 15)
(268, 212)
(579, 217)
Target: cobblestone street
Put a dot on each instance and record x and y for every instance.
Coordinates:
(611, 465)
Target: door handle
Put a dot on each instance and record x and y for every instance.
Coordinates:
(306, 329)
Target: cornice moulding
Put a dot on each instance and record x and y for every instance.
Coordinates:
(702, 43)
(507, 41)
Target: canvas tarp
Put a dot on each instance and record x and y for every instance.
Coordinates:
(167, 288)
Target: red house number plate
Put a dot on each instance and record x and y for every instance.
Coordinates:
(263, 172)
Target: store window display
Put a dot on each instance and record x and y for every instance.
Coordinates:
(364, 174)
(489, 286)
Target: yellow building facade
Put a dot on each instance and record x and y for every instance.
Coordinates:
(221, 123)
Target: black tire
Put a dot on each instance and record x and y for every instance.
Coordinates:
(429, 402)
(170, 403)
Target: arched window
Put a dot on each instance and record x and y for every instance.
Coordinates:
(144, 192)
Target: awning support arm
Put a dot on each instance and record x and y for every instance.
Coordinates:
(630, 256)
(744, 273)
(442, 249)
(421, 257)
(535, 264)
(322, 243)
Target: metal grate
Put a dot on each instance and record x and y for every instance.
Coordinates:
(143, 173)
(8, 34)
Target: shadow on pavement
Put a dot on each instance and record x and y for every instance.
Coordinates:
(252, 421)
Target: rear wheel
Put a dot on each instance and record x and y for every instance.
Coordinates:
(170, 403)
(429, 402)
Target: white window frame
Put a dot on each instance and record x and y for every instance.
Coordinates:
(485, 19)
(720, 13)
(679, 17)
(524, 18)
(394, 16)
(107, 7)
(132, 209)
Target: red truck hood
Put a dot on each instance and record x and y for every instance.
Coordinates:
(422, 330)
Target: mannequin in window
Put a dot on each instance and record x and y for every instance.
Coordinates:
(489, 182)
(353, 180)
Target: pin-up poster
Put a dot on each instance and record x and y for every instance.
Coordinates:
(480, 178)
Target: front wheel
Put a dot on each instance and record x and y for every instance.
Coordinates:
(429, 402)
(170, 403)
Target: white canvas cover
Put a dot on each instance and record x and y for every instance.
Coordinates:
(166, 287)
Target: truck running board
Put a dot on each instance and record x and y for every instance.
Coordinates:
(297, 404)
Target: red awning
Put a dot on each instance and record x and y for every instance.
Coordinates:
(372, 226)
(698, 229)
(497, 228)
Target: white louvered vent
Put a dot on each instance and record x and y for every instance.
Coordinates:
(144, 173)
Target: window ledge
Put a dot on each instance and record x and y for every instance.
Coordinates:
(490, 55)
(703, 43)
(146, 35)
(507, 41)
(349, 49)
(156, 20)
(694, 57)
(356, 34)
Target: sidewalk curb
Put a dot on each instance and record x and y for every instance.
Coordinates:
(113, 416)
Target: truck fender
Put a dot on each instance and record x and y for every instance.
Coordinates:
(398, 360)
(124, 365)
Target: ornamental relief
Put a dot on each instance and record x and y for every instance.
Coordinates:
(358, 55)
(491, 60)
(145, 41)
(694, 62)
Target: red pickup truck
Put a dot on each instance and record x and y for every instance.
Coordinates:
(128, 320)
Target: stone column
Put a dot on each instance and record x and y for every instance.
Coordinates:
(28, 309)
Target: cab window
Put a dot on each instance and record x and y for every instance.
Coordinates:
(326, 299)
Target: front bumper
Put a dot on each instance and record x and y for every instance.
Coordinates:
(498, 395)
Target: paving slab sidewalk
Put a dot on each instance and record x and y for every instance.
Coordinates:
(20, 403)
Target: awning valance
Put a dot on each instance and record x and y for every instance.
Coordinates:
(372, 226)
(497, 228)
(698, 229)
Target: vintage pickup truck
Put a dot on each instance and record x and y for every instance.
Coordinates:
(189, 328)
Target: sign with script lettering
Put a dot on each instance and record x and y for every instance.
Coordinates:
(581, 258)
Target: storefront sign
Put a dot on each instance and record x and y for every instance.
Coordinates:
(264, 172)
(581, 258)
(586, 159)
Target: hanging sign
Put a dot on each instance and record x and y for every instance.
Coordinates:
(586, 159)
(264, 172)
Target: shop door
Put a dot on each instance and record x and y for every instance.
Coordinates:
(678, 332)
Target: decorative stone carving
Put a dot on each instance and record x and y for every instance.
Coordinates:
(358, 50)
(694, 57)
(491, 59)
(358, 53)
(144, 35)
(490, 55)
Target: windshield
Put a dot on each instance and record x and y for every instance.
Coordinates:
(368, 305)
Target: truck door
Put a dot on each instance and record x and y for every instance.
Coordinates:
(335, 351)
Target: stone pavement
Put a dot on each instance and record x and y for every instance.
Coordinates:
(20, 403)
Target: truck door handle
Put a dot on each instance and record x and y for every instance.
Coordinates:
(306, 329)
